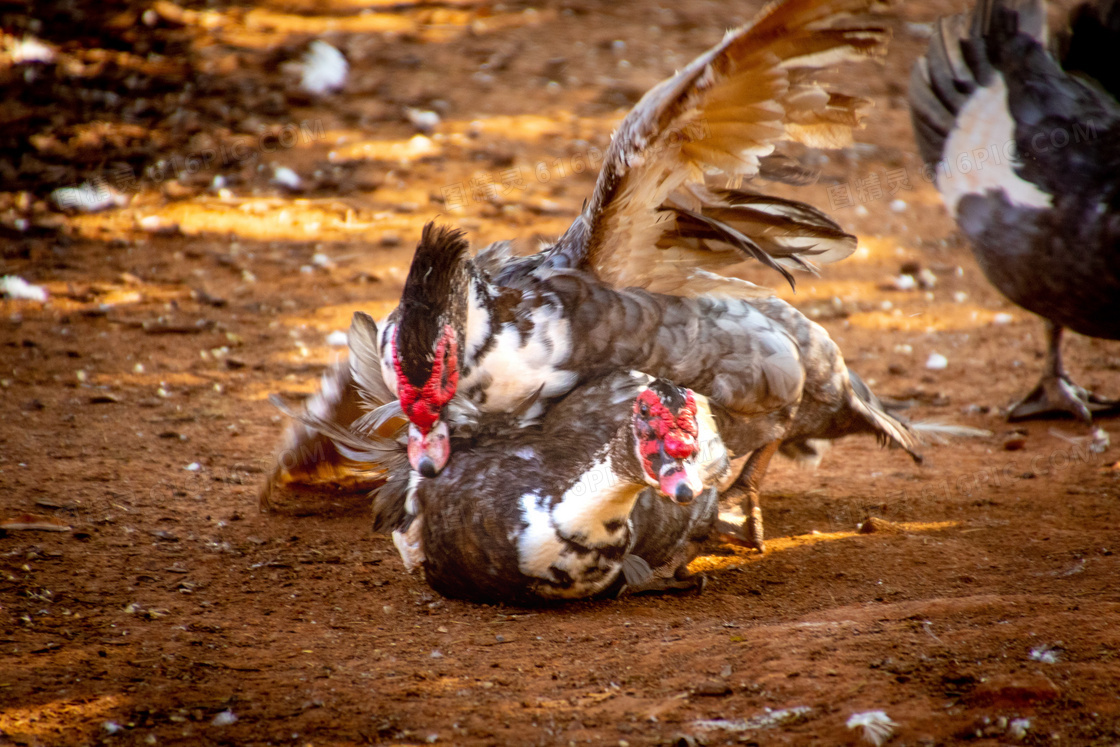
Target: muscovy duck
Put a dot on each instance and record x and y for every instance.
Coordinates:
(613, 489)
(1024, 142)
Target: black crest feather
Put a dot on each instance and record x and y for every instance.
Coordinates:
(671, 395)
(434, 295)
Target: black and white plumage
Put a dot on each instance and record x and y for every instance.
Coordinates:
(562, 510)
(1024, 142)
(608, 491)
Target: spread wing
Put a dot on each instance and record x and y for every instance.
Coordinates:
(652, 217)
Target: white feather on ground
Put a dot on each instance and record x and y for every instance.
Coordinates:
(29, 49)
(324, 69)
(13, 286)
(89, 197)
(877, 726)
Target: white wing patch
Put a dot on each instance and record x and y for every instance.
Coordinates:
(478, 323)
(579, 517)
(514, 371)
(979, 154)
(600, 496)
(539, 545)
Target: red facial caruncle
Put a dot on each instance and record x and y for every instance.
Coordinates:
(667, 445)
(422, 405)
(676, 432)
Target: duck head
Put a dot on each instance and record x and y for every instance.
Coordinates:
(429, 342)
(666, 430)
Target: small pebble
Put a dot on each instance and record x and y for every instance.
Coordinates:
(905, 282)
(423, 120)
(1044, 654)
(937, 362)
(193, 467)
(153, 223)
(1018, 727)
(1002, 318)
(225, 718)
(898, 206)
(285, 177)
(338, 339)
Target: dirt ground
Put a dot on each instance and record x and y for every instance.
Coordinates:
(135, 412)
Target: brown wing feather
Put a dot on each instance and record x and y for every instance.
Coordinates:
(723, 113)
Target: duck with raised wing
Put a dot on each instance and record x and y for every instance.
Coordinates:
(1039, 124)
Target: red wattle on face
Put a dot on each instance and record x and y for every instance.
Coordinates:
(679, 445)
(671, 440)
(423, 405)
(676, 432)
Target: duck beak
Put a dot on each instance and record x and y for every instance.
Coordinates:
(680, 480)
(428, 452)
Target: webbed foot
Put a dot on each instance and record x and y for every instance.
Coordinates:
(1056, 395)
(640, 579)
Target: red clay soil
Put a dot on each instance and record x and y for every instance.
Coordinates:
(982, 608)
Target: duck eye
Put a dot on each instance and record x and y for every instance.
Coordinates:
(643, 409)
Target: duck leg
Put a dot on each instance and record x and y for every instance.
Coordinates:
(749, 485)
(1056, 392)
(641, 579)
